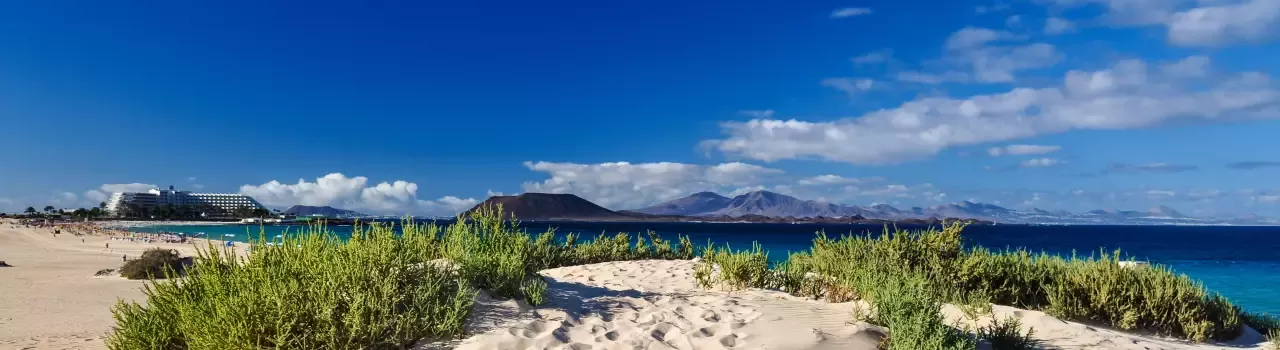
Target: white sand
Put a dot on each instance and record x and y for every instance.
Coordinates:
(655, 304)
(49, 299)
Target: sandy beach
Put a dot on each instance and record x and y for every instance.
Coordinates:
(49, 299)
(655, 304)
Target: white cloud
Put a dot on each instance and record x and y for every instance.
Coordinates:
(850, 12)
(837, 180)
(192, 179)
(1248, 21)
(1128, 95)
(879, 56)
(974, 37)
(1040, 163)
(1197, 24)
(1190, 67)
(1058, 26)
(1000, 64)
(969, 58)
(851, 86)
(354, 193)
(1022, 150)
(102, 192)
(448, 204)
(623, 185)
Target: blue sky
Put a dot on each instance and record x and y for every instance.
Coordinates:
(427, 108)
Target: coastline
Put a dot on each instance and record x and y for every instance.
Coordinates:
(50, 298)
(146, 223)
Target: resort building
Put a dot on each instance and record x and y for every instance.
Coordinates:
(205, 205)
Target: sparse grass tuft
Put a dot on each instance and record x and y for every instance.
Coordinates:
(1007, 334)
(535, 291)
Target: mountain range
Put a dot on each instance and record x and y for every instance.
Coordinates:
(325, 211)
(770, 204)
(564, 206)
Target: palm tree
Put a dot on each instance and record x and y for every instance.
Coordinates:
(30, 211)
(102, 205)
(48, 209)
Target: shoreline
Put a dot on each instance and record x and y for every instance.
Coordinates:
(51, 299)
(148, 223)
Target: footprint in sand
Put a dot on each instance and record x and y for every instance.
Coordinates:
(729, 341)
(662, 330)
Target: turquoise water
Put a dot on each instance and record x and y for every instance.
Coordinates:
(1242, 263)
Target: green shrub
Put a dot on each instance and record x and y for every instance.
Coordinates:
(1087, 289)
(1007, 334)
(734, 269)
(913, 315)
(154, 262)
(312, 291)
(376, 290)
(535, 291)
(1263, 323)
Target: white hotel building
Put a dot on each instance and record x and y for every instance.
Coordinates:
(212, 205)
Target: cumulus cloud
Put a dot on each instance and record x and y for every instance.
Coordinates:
(1253, 165)
(1127, 95)
(623, 185)
(850, 12)
(1022, 150)
(103, 192)
(355, 193)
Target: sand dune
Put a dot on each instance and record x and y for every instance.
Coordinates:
(655, 304)
(49, 300)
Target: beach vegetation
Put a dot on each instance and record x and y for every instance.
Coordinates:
(1006, 334)
(1263, 323)
(154, 263)
(379, 289)
(535, 291)
(1094, 289)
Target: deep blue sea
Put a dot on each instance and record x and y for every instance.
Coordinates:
(1240, 262)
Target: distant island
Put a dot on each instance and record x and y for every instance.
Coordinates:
(325, 211)
(569, 207)
(772, 207)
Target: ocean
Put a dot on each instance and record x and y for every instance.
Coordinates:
(1241, 262)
